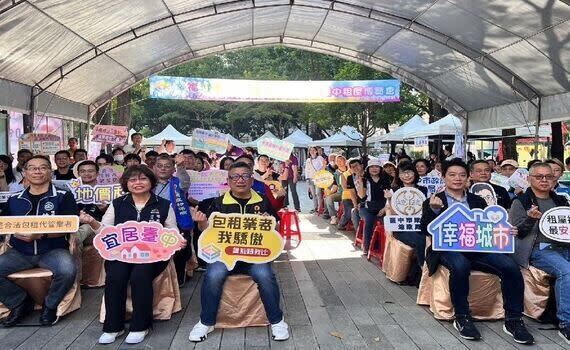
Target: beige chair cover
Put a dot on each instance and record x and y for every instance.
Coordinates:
(93, 269)
(398, 259)
(166, 296)
(37, 282)
(485, 298)
(536, 291)
(241, 304)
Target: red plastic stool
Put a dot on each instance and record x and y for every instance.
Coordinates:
(377, 243)
(289, 224)
(359, 237)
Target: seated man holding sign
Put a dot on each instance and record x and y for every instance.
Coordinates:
(49, 251)
(460, 263)
(240, 199)
(538, 243)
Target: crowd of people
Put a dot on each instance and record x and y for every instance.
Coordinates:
(156, 188)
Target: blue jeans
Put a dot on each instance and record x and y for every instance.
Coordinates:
(501, 265)
(556, 262)
(346, 212)
(58, 261)
(213, 285)
(369, 214)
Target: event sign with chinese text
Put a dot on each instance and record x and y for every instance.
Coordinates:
(230, 238)
(555, 224)
(207, 184)
(432, 183)
(108, 175)
(500, 180)
(138, 242)
(485, 191)
(110, 134)
(519, 179)
(94, 150)
(46, 144)
(189, 88)
(421, 141)
(39, 224)
(209, 140)
(98, 194)
(323, 179)
(406, 202)
(274, 148)
(460, 229)
(563, 191)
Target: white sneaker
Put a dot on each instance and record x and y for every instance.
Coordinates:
(334, 220)
(136, 337)
(280, 331)
(108, 338)
(200, 332)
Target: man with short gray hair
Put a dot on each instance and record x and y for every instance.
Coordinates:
(533, 248)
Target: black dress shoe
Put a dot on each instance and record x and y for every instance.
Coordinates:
(48, 317)
(19, 312)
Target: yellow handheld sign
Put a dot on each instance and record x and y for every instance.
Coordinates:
(230, 238)
(323, 179)
(274, 186)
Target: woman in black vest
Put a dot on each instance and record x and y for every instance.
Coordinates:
(140, 204)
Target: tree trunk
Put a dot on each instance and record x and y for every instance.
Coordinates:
(510, 144)
(436, 112)
(124, 108)
(557, 149)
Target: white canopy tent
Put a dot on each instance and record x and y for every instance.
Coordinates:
(299, 139)
(337, 140)
(169, 133)
(235, 141)
(399, 134)
(447, 126)
(497, 65)
(266, 134)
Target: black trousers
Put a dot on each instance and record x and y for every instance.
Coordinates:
(140, 276)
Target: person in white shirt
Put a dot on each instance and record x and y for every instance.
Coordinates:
(312, 165)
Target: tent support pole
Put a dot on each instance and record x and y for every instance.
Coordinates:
(465, 146)
(536, 134)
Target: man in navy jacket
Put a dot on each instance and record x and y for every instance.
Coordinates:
(49, 251)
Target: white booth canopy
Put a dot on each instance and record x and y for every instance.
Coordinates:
(337, 140)
(299, 139)
(399, 134)
(447, 126)
(491, 61)
(169, 133)
(265, 135)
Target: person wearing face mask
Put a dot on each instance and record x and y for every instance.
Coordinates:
(119, 156)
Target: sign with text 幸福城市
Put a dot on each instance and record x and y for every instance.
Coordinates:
(230, 238)
(138, 242)
(276, 149)
(188, 88)
(460, 229)
(209, 140)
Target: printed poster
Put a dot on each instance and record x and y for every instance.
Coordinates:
(230, 238)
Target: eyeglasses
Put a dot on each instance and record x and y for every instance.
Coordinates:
(408, 173)
(542, 177)
(35, 169)
(236, 177)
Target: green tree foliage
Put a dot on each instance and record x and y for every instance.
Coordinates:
(253, 119)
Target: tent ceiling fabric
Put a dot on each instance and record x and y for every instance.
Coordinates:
(475, 57)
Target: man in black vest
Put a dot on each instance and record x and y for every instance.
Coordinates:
(50, 251)
(455, 175)
(533, 248)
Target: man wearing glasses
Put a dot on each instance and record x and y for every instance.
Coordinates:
(242, 199)
(49, 251)
(533, 248)
(480, 171)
